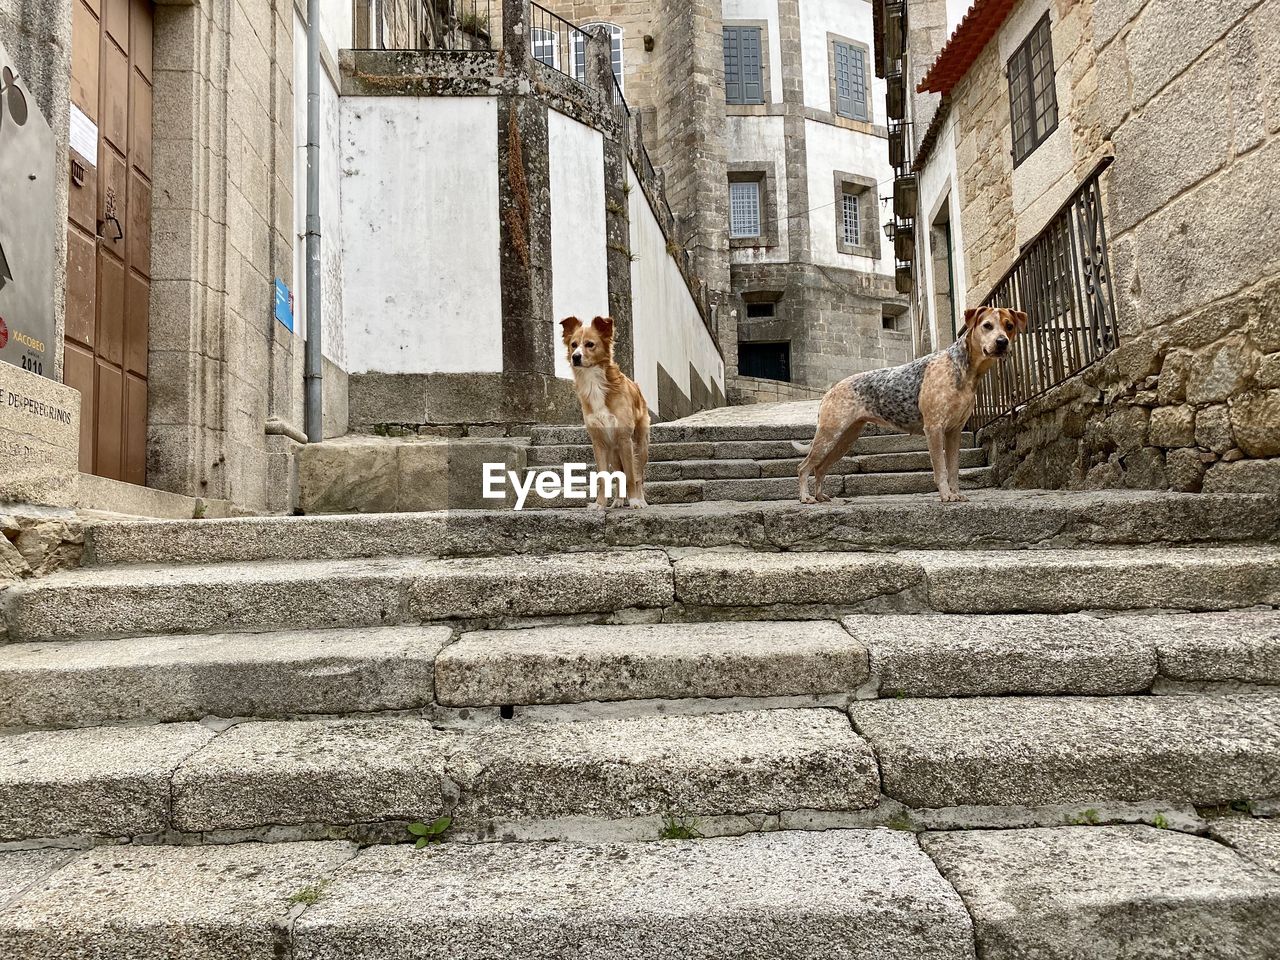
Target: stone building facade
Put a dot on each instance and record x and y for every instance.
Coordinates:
(1181, 105)
(797, 307)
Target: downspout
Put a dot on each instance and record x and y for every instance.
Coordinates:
(314, 372)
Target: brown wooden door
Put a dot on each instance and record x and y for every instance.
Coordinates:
(109, 234)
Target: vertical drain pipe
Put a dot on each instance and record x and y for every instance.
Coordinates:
(314, 372)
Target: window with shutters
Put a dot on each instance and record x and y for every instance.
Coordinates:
(1033, 101)
(744, 208)
(615, 52)
(743, 65)
(849, 89)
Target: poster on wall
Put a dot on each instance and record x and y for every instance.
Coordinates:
(26, 226)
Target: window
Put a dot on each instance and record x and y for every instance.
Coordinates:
(894, 317)
(851, 219)
(744, 208)
(849, 69)
(1033, 101)
(761, 310)
(615, 52)
(743, 69)
(769, 361)
(544, 46)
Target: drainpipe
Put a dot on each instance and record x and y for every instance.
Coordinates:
(314, 373)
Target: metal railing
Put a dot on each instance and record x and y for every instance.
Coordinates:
(557, 43)
(1062, 281)
(424, 24)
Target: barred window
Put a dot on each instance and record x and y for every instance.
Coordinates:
(1033, 100)
(851, 219)
(743, 68)
(851, 81)
(744, 208)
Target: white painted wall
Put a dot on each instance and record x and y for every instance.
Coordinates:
(333, 326)
(579, 243)
(767, 10)
(938, 182)
(667, 328)
(762, 140)
(828, 149)
(846, 18)
(420, 234)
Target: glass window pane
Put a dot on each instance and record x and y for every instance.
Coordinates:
(850, 223)
(744, 208)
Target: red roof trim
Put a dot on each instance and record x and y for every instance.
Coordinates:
(974, 32)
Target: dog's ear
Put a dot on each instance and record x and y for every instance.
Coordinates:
(1020, 319)
(971, 319)
(570, 326)
(604, 326)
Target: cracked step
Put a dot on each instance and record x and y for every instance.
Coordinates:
(992, 519)
(187, 677)
(1079, 893)
(868, 894)
(668, 661)
(343, 772)
(1035, 751)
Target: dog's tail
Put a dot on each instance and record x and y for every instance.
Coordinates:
(801, 448)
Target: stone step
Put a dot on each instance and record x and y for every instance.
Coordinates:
(1062, 893)
(659, 452)
(992, 519)
(1037, 751)
(700, 433)
(174, 678)
(122, 601)
(355, 774)
(870, 894)
(751, 469)
(1067, 893)
(665, 661)
(787, 488)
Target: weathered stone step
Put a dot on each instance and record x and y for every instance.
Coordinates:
(1033, 751)
(993, 519)
(752, 469)
(1060, 894)
(896, 443)
(103, 603)
(868, 894)
(787, 488)
(173, 678)
(359, 773)
(668, 661)
(700, 433)
(1069, 893)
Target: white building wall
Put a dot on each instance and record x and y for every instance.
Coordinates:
(762, 140)
(667, 328)
(938, 186)
(766, 10)
(829, 149)
(420, 234)
(579, 242)
(845, 18)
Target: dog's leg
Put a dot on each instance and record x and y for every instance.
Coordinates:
(953, 463)
(623, 454)
(832, 423)
(602, 466)
(844, 443)
(639, 461)
(937, 437)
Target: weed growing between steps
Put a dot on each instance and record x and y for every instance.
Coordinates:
(428, 833)
(679, 827)
(309, 895)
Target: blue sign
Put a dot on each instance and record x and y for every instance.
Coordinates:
(284, 304)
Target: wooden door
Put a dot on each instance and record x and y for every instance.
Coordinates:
(109, 234)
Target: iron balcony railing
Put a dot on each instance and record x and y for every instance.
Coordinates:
(424, 24)
(561, 45)
(1062, 281)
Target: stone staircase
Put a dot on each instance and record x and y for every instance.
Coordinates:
(694, 462)
(1035, 724)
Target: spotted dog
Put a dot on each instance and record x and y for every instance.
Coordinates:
(933, 395)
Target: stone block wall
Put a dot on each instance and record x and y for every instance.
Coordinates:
(1188, 97)
(744, 390)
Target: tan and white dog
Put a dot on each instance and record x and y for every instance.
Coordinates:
(933, 395)
(613, 408)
